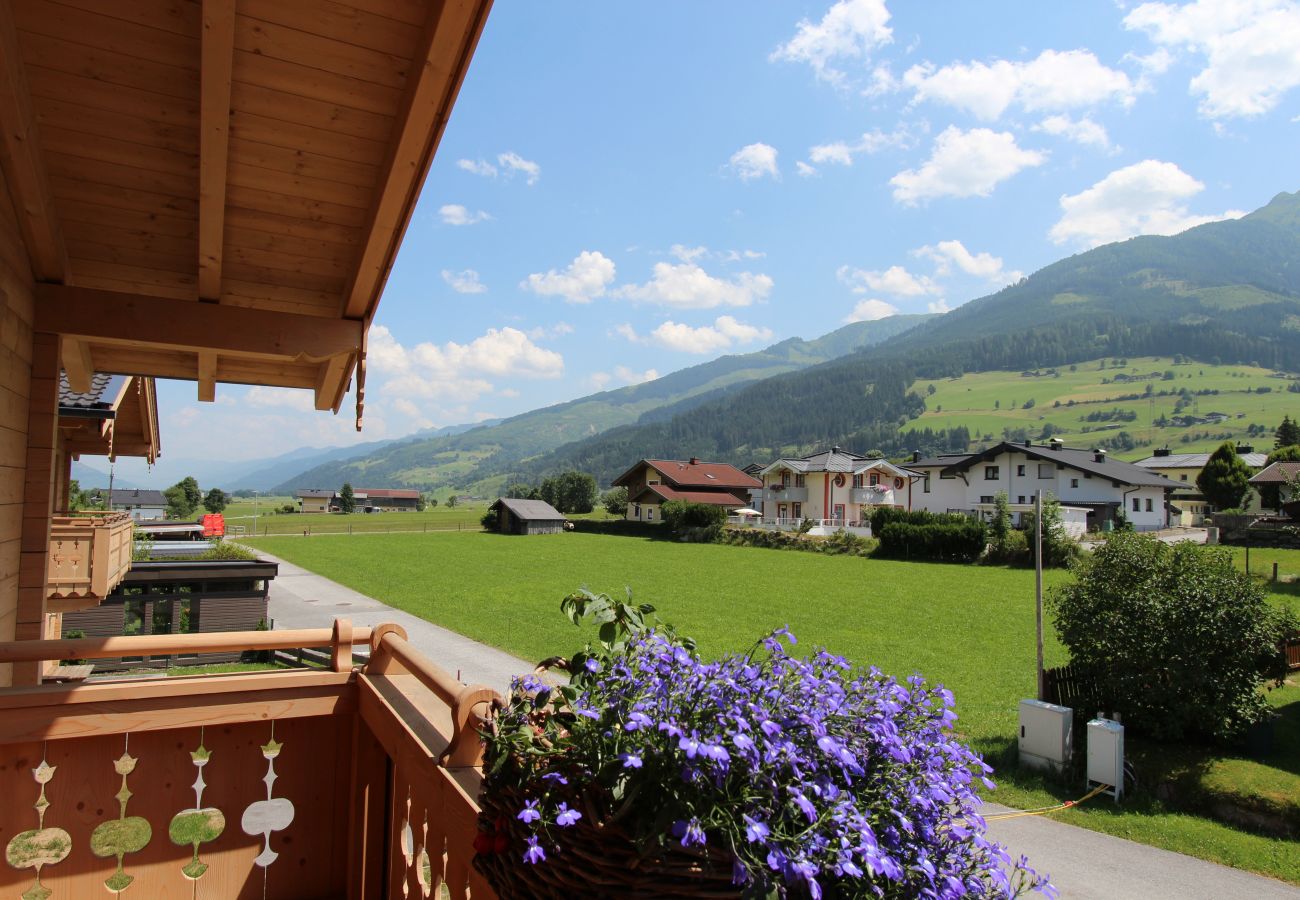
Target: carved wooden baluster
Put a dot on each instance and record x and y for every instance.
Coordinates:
(125, 834)
(41, 846)
(198, 824)
(272, 814)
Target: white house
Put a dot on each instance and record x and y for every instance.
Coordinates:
(1083, 479)
(834, 488)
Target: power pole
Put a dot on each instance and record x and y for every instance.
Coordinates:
(1038, 582)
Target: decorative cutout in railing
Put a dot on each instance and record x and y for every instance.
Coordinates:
(125, 834)
(272, 814)
(42, 846)
(199, 824)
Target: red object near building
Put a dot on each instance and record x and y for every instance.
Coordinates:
(214, 525)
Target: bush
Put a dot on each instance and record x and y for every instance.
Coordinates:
(615, 501)
(841, 543)
(491, 519)
(1059, 549)
(951, 541)
(884, 515)
(681, 516)
(1011, 550)
(1175, 637)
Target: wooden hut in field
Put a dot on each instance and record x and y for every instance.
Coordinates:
(527, 517)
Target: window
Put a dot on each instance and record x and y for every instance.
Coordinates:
(799, 480)
(875, 479)
(1020, 470)
(1182, 477)
(1149, 504)
(986, 498)
(857, 481)
(1021, 498)
(1137, 505)
(925, 484)
(796, 510)
(991, 473)
(649, 513)
(785, 479)
(1046, 470)
(946, 475)
(1074, 482)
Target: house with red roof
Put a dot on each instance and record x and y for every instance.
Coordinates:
(652, 482)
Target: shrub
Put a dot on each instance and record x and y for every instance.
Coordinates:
(884, 515)
(491, 519)
(1059, 549)
(950, 541)
(681, 516)
(1175, 637)
(1225, 480)
(1011, 550)
(813, 777)
(615, 501)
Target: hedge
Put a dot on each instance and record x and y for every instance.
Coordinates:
(962, 541)
(887, 515)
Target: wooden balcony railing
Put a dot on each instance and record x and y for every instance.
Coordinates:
(89, 555)
(358, 783)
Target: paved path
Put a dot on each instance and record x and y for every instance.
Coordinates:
(1083, 864)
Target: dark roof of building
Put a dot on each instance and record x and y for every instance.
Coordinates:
(1071, 457)
(137, 497)
(96, 402)
(1277, 473)
(694, 473)
(943, 460)
(714, 498)
(1196, 461)
(316, 494)
(531, 510)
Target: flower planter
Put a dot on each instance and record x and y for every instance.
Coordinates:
(89, 556)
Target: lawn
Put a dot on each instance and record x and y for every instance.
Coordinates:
(970, 627)
(462, 517)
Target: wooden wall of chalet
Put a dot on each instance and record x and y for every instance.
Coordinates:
(16, 309)
(509, 523)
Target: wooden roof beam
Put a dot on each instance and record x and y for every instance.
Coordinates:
(218, 54)
(145, 321)
(332, 382)
(20, 158)
(207, 376)
(438, 70)
(78, 364)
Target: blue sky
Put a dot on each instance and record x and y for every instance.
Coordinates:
(626, 189)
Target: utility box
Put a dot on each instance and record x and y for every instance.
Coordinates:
(1046, 735)
(1106, 755)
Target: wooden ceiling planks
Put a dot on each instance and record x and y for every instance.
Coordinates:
(262, 154)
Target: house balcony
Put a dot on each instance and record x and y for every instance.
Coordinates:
(871, 496)
(778, 494)
(89, 555)
(357, 782)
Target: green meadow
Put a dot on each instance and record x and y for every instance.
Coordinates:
(970, 627)
(989, 402)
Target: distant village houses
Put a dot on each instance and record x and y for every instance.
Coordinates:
(653, 482)
(313, 500)
(834, 487)
(1190, 504)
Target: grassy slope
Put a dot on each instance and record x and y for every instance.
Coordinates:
(969, 627)
(970, 400)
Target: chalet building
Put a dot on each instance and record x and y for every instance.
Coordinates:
(1283, 476)
(515, 516)
(312, 500)
(392, 499)
(141, 504)
(653, 482)
(1191, 505)
(1080, 479)
(833, 487)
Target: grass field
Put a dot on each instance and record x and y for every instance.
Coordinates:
(462, 517)
(988, 402)
(969, 627)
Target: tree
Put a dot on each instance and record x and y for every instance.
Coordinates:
(1287, 434)
(420, 503)
(77, 498)
(615, 501)
(570, 492)
(1058, 547)
(1225, 479)
(521, 491)
(347, 500)
(183, 498)
(1176, 637)
(216, 500)
(433, 502)
(451, 501)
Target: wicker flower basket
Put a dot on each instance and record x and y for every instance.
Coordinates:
(591, 860)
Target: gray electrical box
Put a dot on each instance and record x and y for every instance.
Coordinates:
(1046, 735)
(1106, 755)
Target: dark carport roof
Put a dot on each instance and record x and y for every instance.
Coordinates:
(531, 510)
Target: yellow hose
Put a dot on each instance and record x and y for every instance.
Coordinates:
(1046, 809)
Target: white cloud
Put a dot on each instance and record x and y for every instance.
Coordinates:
(598, 380)
(687, 286)
(582, 281)
(285, 398)
(964, 164)
(464, 282)
(895, 280)
(1251, 49)
(627, 331)
(1149, 197)
(1053, 82)
(1080, 131)
(870, 310)
(687, 254)
(842, 152)
(630, 376)
(755, 161)
(851, 29)
(945, 254)
(455, 214)
(938, 306)
(478, 167)
(804, 170)
(541, 332)
(723, 333)
(511, 162)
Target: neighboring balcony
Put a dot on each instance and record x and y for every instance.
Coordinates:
(90, 554)
(356, 782)
(778, 494)
(870, 495)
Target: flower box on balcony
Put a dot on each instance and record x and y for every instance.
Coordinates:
(90, 554)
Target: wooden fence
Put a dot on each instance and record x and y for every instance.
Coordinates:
(1292, 649)
(1065, 686)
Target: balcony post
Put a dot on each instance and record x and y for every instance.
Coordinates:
(38, 498)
